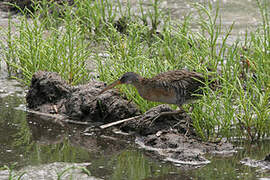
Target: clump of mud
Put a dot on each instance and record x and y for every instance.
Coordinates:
(183, 150)
(49, 93)
(46, 88)
(262, 164)
(147, 124)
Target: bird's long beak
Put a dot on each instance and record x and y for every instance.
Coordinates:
(115, 83)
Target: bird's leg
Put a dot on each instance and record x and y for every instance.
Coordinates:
(188, 120)
(188, 126)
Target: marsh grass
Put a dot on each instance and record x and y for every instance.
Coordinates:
(36, 47)
(150, 42)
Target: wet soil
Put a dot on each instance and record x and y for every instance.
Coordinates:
(263, 164)
(171, 137)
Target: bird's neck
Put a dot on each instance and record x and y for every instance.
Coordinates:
(143, 87)
(141, 84)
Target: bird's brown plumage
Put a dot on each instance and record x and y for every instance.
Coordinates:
(172, 87)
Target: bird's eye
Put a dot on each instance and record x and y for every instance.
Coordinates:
(123, 79)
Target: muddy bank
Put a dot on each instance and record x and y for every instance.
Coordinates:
(263, 164)
(171, 138)
(183, 151)
(49, 93)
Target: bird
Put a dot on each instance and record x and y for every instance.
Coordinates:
(176, 87)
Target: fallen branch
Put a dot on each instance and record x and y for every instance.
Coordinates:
(56, 116)
(77, 122)
(118, 122)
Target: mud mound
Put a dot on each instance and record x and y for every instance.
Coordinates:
(147, 124)
(46, 87)
(110, 106)
(49, 93)
(262, 164)
(183, 150)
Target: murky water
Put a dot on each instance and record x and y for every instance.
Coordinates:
(243, 13)
(27, 139)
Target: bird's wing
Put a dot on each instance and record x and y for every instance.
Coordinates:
(188, 80)
(184, 82)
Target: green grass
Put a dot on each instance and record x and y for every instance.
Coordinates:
(151, 42)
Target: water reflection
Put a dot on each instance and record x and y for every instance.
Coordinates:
(111, 156)
(10, 122)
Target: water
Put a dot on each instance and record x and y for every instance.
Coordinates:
(243, 13)
(31, 140)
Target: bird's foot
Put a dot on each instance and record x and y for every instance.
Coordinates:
(188, 126)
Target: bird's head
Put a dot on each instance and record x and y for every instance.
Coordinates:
(127, 78)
